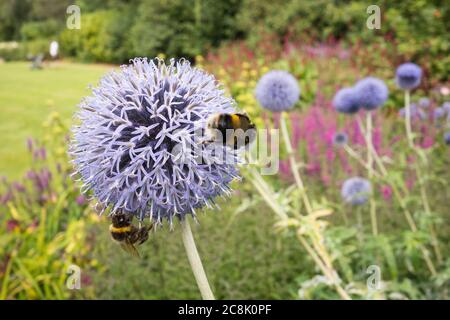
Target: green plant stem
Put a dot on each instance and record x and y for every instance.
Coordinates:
(426, 205)
(293, 163)
(328, 273)
(409, 135)
(370, 172)
(423, 193)
(301, 187)
(194, 260)
(268, 196)
(399, 198)
(318, 246)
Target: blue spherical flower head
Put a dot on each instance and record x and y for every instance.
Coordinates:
(447, 138)
(446, 107)
(340, 139)
(277, 91)
(345, 101)
(125, 147)
(356, 191)
(415, 112)
(438, 113)
(371, 93)
(424, 103)
(408, 76)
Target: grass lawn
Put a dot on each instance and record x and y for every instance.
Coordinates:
(27, 97)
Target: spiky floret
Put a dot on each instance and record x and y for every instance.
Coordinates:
(127, 145)
(408, 76)
(277, 91)
(371, 93)
(356, 190)
(447, 138)
(345, 101)
(340, 139)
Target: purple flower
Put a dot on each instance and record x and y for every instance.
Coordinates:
(81, 200)
(345, 101)
(277, 91)
(6, 197)
(447, 138)
(415, 113)
(126, 146)
(340, 139)
(371, 93)
(446, 107)
(30, 144)
(408, 76)
(424, 102)
(438, 113)
(356, 190)
(19, 187)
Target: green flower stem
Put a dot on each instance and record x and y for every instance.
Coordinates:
(301, 187)
(408, 119)
(268, 196)
(423, 193)
(194, 260)
(318, 252)
(398, 197)
(330, 274)
(293, 163)
(370, 147)
(426, 205)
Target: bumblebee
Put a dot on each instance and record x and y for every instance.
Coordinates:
(233, 129)
(126, 234)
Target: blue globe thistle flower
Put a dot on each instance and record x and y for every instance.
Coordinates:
(413, 110)
(438, 113)
(415, 113)
(446, 107)
(277, 91)
(340, 139)
(408, 76)
(422, 114)
(345, 101)
(371, 93)
(356, 190)
(447, 138)
(125, 147)
(424, 103)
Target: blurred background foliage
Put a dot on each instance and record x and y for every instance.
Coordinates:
(116, 30)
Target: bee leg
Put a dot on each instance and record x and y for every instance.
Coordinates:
(143, 234)
(133, 237)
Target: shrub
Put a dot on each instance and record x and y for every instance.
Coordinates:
(103, 37)
(43, 226)
(11, 51)
(40, 29)
(183, 28)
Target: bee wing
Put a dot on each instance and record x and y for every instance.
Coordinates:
(242, 113)
(130, 248)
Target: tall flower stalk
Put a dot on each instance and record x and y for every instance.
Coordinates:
(293, 163)
(278, 91)
(370, 172)
(370, 94)
(316, 251)
(195, 261)
(408, 77)
(383, 175)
